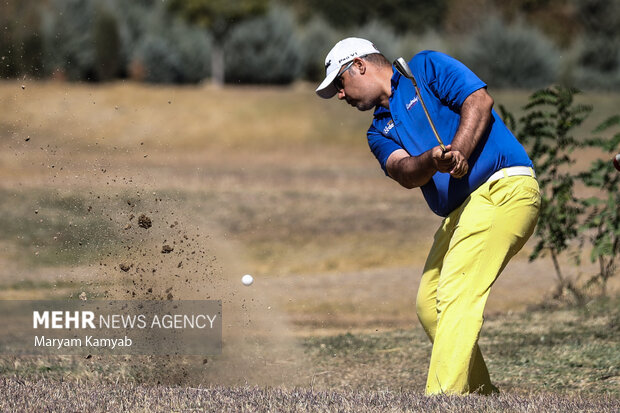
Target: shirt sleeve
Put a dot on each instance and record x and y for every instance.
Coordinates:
(450, 80)
(381, 146)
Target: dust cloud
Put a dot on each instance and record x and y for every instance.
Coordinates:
(181, 256)
(134, 236)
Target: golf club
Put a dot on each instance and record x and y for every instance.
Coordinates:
(404, 69)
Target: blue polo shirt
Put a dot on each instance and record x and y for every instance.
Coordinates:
(444, 83)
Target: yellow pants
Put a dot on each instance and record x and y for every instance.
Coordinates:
(471, 248)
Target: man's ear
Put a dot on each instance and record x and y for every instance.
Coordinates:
(361, 65)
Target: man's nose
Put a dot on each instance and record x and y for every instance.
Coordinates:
(341, 94)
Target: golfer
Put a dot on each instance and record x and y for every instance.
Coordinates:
(482, 184)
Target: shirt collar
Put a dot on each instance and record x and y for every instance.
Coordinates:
(395, 80)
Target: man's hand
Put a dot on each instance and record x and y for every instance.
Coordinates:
(450, 161)
(414, 171)
(443, 161)
(461, 166)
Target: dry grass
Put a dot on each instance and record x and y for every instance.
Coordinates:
(301, 193)
(70, 397)
(562, 350)
(559, 360)
(270, 181)
(173, 118)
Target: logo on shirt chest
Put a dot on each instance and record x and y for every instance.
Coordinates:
(388, 127)
(411, 103)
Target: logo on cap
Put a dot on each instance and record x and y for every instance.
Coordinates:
(328, 64)
(347, 58)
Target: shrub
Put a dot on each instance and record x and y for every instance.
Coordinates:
(170, 51)
(599, 55)
(410, 44)
(20, 41)
(548, 127)
(511, 56)
(31, 54)
(382, 37)
(68, 38)
(159, 59)
(316, 39)
(9, 60)
(598, 63)
(264, 50)
(602, 227)
(135, 19)
(93, 40)
(193, 45)
(107, 44)
(594, 80)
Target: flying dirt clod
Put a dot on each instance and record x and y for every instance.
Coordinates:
(144, 222)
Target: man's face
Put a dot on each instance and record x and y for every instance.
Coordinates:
(355, 86)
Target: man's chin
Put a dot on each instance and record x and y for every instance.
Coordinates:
(362, 107)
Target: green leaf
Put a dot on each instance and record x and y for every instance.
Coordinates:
(609, 122)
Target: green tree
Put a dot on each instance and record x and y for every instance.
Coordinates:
(317, 37)
(600, 20)
(68, 38)
(219, 17)
(599, 58)
(399, 15)
(264, 49)
(20, 41)
(594, 221)
(551, 115)
(510, 55)
(602, 225)
(107, 44)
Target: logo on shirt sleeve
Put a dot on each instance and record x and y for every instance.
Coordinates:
(388, 127)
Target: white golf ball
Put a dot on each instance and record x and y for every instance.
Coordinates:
(247, 279)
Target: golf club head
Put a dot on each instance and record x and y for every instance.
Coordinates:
(403, 68)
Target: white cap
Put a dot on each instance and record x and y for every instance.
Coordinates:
(342, 53)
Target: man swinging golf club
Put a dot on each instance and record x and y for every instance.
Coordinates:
(433, 127)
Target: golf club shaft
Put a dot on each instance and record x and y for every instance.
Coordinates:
(403, 68)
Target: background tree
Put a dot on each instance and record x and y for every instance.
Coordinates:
(219, 17)
(264, 49)
(602, 224)
(547, 129)
(509, 55)
(528, 44)
(600, 20)
(107, 44)
(399, 15)
(21, 44)
(69, 39)
(316, 37)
